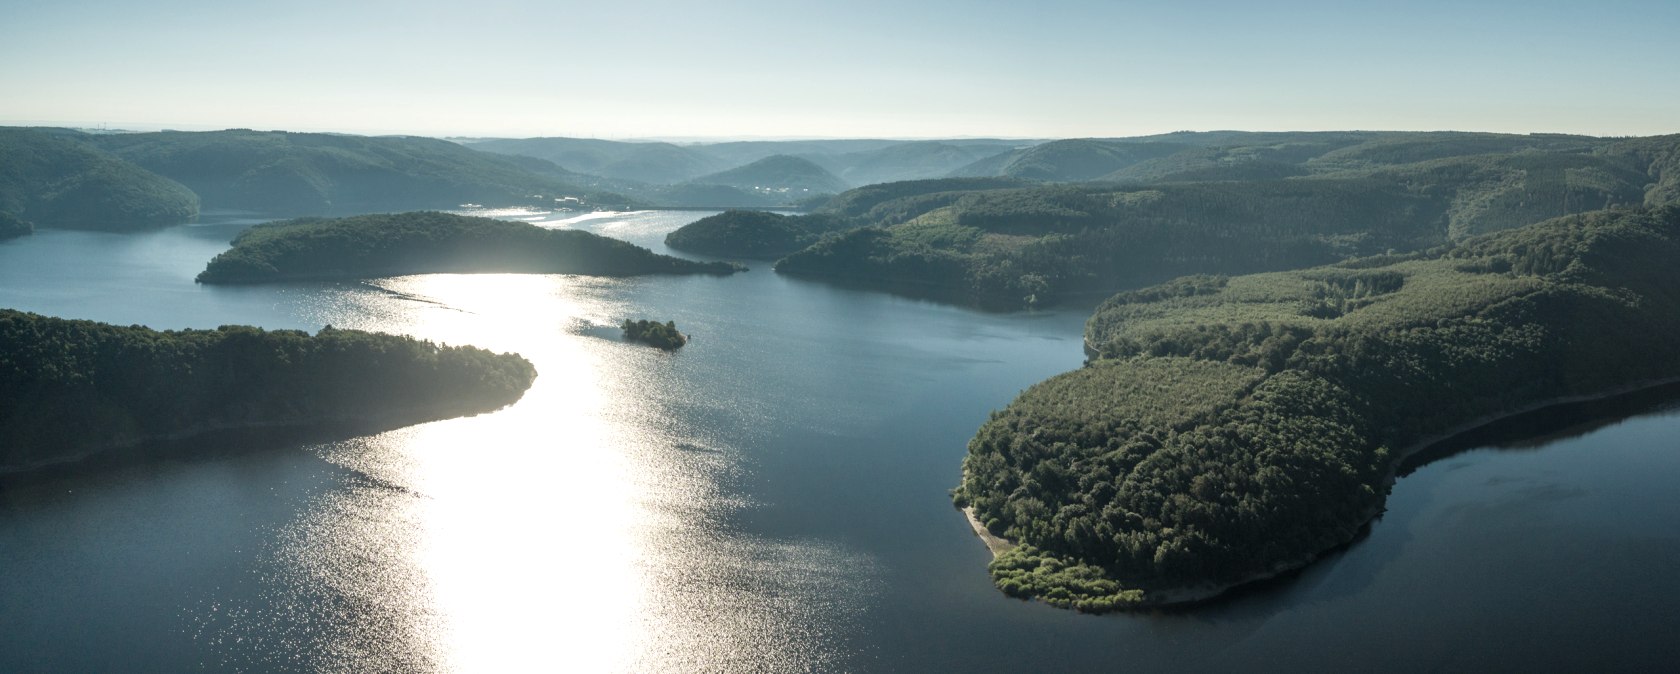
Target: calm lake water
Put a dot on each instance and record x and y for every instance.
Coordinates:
(774, 497)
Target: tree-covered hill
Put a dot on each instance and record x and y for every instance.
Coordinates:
(1234, 155)
(907, 161)
(1660, 155)
(1234, 427)
(72, 388)
(1388, 149)
(1003, 247)
(892, 203)
(696, 195)
(778, 173)
(1006, 248)
(758, 235)
(1074, 160)
(283, 173)
(50, 178)
(652, 163)
(762, 235)
(393, 244)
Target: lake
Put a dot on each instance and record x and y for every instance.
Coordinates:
(773, 497)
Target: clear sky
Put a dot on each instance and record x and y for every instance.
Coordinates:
(852, 68)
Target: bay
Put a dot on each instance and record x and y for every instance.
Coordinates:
(774, 496)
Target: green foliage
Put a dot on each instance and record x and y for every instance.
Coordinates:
(12, 225)
(392, 244)
(1070, 160)
(861, 202)
(323, 174)
(1661, 157)
(1025, 572)
(653, 333)
(1232, 427)
(780, 173)
(1278, 201)
(68, 387)
(51, 178)
(1084, 240)
(751, 234)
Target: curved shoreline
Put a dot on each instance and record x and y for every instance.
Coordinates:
(373, 424)
(1199, 593)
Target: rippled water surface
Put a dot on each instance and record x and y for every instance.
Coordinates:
(771, 497)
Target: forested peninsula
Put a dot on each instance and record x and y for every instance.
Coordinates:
(1230, 428)
(759, 235)
(368, 246)
(70, 389)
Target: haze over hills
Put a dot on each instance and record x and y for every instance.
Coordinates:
(283, 173)
(1220, 202)
(778, 173)
(668, 174)
(656, 163)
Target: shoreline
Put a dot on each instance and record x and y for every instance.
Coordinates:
(121, 449)
(1199, 593)
(994, 543)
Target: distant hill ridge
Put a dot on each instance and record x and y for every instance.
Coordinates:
(778, 172)
(282, 173)
(50, 178)
(1189, 206)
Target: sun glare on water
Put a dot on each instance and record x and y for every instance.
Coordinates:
(587, 527)
(520, 516)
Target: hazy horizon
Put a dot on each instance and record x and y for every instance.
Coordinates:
(701, 140)
(763, 70)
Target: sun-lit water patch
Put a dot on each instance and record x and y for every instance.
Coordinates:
(599, 488)
(528, 508)
(590, 491)
(513, 213)
(565, 219)
(336, 590)
(747, 604)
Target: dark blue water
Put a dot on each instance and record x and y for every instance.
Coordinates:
(772, 497)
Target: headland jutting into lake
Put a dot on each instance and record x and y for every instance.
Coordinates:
(71, 389)
(1232, 428)
(367, 246)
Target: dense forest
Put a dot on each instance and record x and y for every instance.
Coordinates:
(69, 388)
(759, 235)
(655, 334)
(12, 225)
(49, 178)
(1231, 427)
(366, 246)
(1313, 199)
(281, 173)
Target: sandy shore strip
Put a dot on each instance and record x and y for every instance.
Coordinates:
(995, 544)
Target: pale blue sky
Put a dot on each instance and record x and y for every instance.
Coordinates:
(861, 68)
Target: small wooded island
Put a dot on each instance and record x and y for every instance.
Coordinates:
(70, 389)
(1229, 429)
(394, 244)
(656, 334)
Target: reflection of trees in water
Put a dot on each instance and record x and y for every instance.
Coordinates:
(1540, 428)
